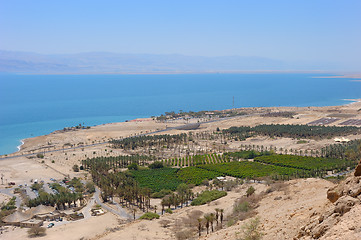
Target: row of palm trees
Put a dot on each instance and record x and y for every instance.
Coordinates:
(120, 184)
(59, 200)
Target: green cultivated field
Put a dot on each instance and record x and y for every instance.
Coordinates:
(195, 175)
(301, 162)
(157, 179)
(248, 169)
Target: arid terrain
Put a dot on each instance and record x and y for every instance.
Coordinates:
(283, 208)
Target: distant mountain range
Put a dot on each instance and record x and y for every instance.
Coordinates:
(103, 62)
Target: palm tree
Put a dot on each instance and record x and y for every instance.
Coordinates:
(200, 220)
(221, 211)
(207, 219)
(134, 211)
(212, 217)
(163, 203)
(217, 214)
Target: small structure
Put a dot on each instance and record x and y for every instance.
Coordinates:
(76, 216)
(342, 140)
(222, 179)
(24, 219)
(48, 216)
(97, 212)
(31, 223)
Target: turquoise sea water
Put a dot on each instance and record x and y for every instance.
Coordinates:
(33, 105)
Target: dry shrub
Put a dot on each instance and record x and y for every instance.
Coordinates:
(251, 230)
(277, 187)
(191, 219)
(164, 223)
(244, 208)
(185, 234)
(37, 232)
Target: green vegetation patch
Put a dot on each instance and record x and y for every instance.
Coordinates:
(301, 162)
(292, 131)
(10, 205)
(194, 175)
(245, 154)
(247, 169)
(149, 216)
(208, 196)
(157, 179)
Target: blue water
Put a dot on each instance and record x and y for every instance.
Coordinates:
(33, 105)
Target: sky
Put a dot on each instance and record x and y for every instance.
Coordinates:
(299, 30)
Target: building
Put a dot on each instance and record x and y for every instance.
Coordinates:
(31, 223)
(24, 219)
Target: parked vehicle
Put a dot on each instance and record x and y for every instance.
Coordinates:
(50, 225)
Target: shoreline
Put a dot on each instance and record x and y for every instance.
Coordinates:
(353, 76)
(19, 146)
(147, 119)
(183, 72)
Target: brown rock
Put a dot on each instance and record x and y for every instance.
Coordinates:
(350, 187)
(332, 195)
(358, 170)
(344, 204)
(322, 228)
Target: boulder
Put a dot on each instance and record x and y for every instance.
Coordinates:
(332, 195)
(344, 204)
(350, 187)
(357, 172)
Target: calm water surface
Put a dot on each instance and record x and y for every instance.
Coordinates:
(33, 105)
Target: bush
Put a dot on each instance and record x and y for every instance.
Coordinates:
(242, 207)
(250, 191)
(149, 216)
(40, 155)
(76, 168)
(251, 231)
(156, 164)
(10, 205)
(162, 193)
(36, 231)
(36, 186)
(168, 210)
(208, 196)
(133, 166)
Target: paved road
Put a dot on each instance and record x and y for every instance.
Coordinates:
(121, 212)
(10, 192)
(30, 192)
(339, 174)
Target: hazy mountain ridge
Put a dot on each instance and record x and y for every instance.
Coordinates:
(103, 62)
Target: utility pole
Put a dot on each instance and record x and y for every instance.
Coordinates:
(2, 179)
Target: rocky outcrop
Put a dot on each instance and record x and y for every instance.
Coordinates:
(344, 197)
(320, 224)
(350, 187)
(357, 172)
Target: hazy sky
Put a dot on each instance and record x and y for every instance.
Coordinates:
(326, 30)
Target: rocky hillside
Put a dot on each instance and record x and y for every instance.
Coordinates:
(342, 219)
